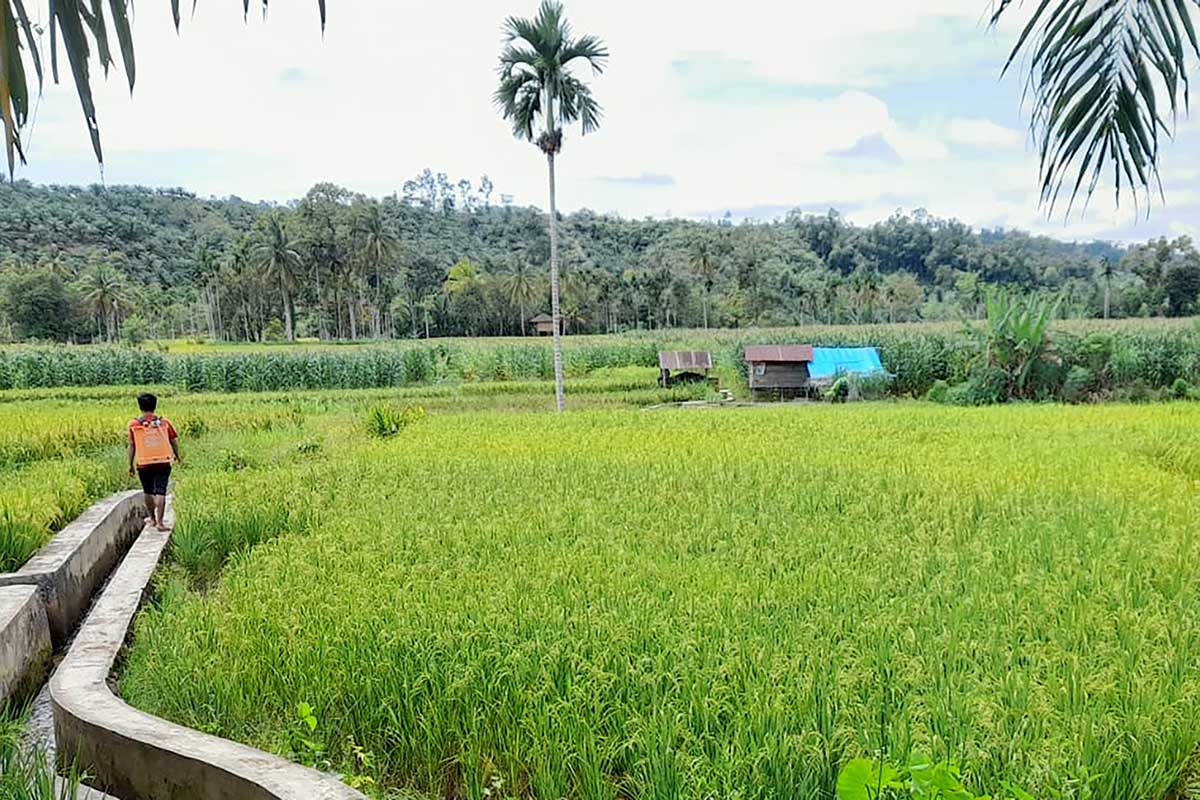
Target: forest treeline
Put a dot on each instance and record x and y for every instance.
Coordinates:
(443, 258)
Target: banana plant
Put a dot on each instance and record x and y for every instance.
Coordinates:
(1016, 337)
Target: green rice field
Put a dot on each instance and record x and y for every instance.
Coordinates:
(670, 603)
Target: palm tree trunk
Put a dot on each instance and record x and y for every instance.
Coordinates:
(705, 304)
(1107, 295)
(555, 314)
(287, 310)
(320, 305)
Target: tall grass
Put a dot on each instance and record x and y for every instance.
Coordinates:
(694, 605)
(26, 774)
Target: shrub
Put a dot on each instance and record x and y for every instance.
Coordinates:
(135, 331)
(274, 331)
(234, 461)
(384, 421)
(1181, 389)
(1078, 384)
(937, 392)
(869, 387)
(192, 427)
(986, 386)
(1138, 392)
(839, 391)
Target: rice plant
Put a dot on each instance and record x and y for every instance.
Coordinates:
(735, 603)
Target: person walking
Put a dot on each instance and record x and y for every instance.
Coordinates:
(153, 447)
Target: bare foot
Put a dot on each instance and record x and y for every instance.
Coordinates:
(163, 527)
(147, 521)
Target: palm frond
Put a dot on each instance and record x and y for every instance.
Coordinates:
(589, 48)
(514, 55)
(535, 76)
(14, 97)
(519, 98)
(1099, 71)
(82, 25)
(582, 104)
(553, 29)
(517, 28)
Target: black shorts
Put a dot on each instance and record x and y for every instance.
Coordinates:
(155, 478)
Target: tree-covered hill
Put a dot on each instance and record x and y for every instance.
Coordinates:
(441, 258)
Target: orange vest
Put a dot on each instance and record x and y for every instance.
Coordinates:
(151, 441)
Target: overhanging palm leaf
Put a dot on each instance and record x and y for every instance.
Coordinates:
(81, 24)
(1099, 73)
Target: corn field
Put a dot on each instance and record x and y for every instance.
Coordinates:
(1130, 354)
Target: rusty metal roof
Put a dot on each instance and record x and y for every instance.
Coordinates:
(541, 318)
(684, 359)
(777, 352)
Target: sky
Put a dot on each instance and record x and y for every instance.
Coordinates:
(751, 107)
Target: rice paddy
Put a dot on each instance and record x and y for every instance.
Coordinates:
(63, 448)
(698, 604)
(614, 603)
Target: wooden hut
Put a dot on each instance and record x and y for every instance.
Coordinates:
(782, 369)
(683, 366)
(543, 325)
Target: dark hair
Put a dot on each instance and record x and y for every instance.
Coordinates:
(147, 402)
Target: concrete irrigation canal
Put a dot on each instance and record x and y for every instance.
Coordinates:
(66, 614)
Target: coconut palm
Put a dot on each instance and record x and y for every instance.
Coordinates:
(705, 266)
(377, 243)
(539, 95)
(77, 26)
(243, 279)
(1102, 76)
(429, 303)
(280, 260)
(104, 292)
(521, 287)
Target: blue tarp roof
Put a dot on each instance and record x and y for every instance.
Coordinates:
(830, 361)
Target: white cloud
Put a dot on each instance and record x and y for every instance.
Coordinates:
(266, 110)
(1181, 228)
(982, 133)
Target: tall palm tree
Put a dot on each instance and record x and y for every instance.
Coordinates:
(104, 291)
(77, 26)
(705, 266)
(208, 270)
(237, 265)
(1102, 74)
(538, 95)
(429, 303)
(280, 260)
(377, 243)
(521, 287)
(1107, 271)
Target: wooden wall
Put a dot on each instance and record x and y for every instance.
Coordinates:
(779, 375)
